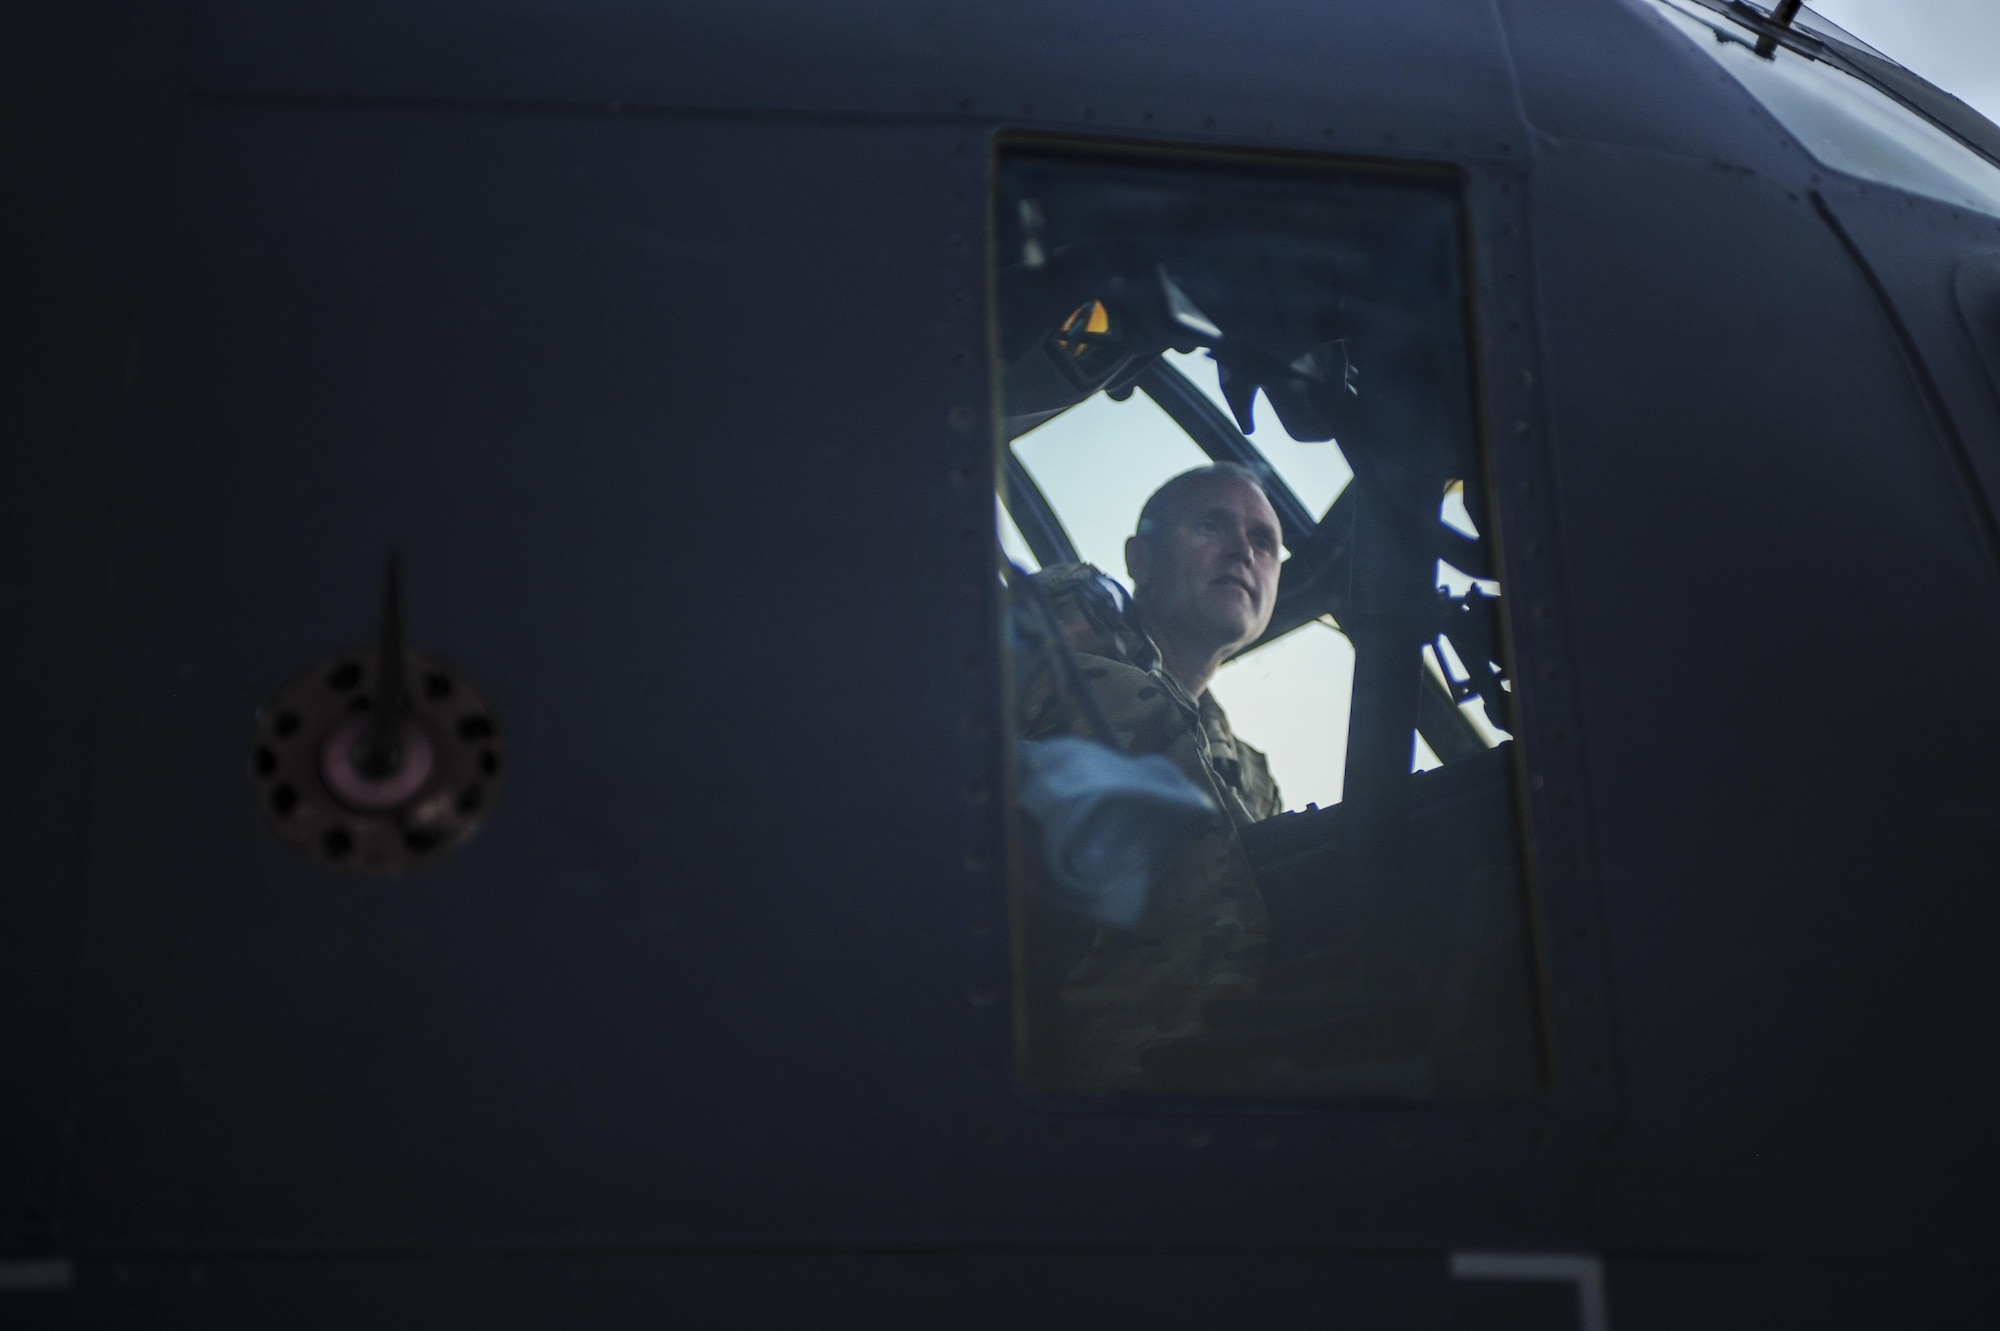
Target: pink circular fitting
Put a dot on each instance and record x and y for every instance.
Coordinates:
(355, 788)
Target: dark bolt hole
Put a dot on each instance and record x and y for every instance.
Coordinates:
(489, 762)
(344, 676)
(468, 799)
(475, 727)
(284, 799)
(422, 842)
(267, 761)
(437, 685)
(336, 843)
(286, 724)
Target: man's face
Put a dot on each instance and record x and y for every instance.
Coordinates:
(1208, 574)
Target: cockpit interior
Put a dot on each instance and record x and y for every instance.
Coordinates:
(1275, 311)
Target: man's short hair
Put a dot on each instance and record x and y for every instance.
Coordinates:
(1174, 491)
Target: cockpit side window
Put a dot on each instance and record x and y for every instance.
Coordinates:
(1265, 794)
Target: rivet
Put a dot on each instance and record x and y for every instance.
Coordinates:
(962, 418)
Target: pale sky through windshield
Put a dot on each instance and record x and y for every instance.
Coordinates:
(1953, 43)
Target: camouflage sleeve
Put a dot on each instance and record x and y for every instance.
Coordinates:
(1084, 606)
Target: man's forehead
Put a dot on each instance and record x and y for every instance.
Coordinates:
(1225, 493)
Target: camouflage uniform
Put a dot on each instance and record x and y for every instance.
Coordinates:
(1204, 929)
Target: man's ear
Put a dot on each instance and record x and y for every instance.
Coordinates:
(1138, 559)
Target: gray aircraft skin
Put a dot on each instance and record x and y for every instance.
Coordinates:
(659, 339)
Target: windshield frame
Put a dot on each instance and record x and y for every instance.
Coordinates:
(1871, 67)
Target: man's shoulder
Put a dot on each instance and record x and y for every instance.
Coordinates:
(1079, 579)
(1091, 610)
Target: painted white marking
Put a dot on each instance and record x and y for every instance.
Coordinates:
(1581, 1269)
(21, 1275)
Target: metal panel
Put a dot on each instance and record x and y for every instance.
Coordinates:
(90, 122)
(889, 1290)
(1792, 825)
(1919, 253)
(1615, 73)
(1430, 78)
(663, 468)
